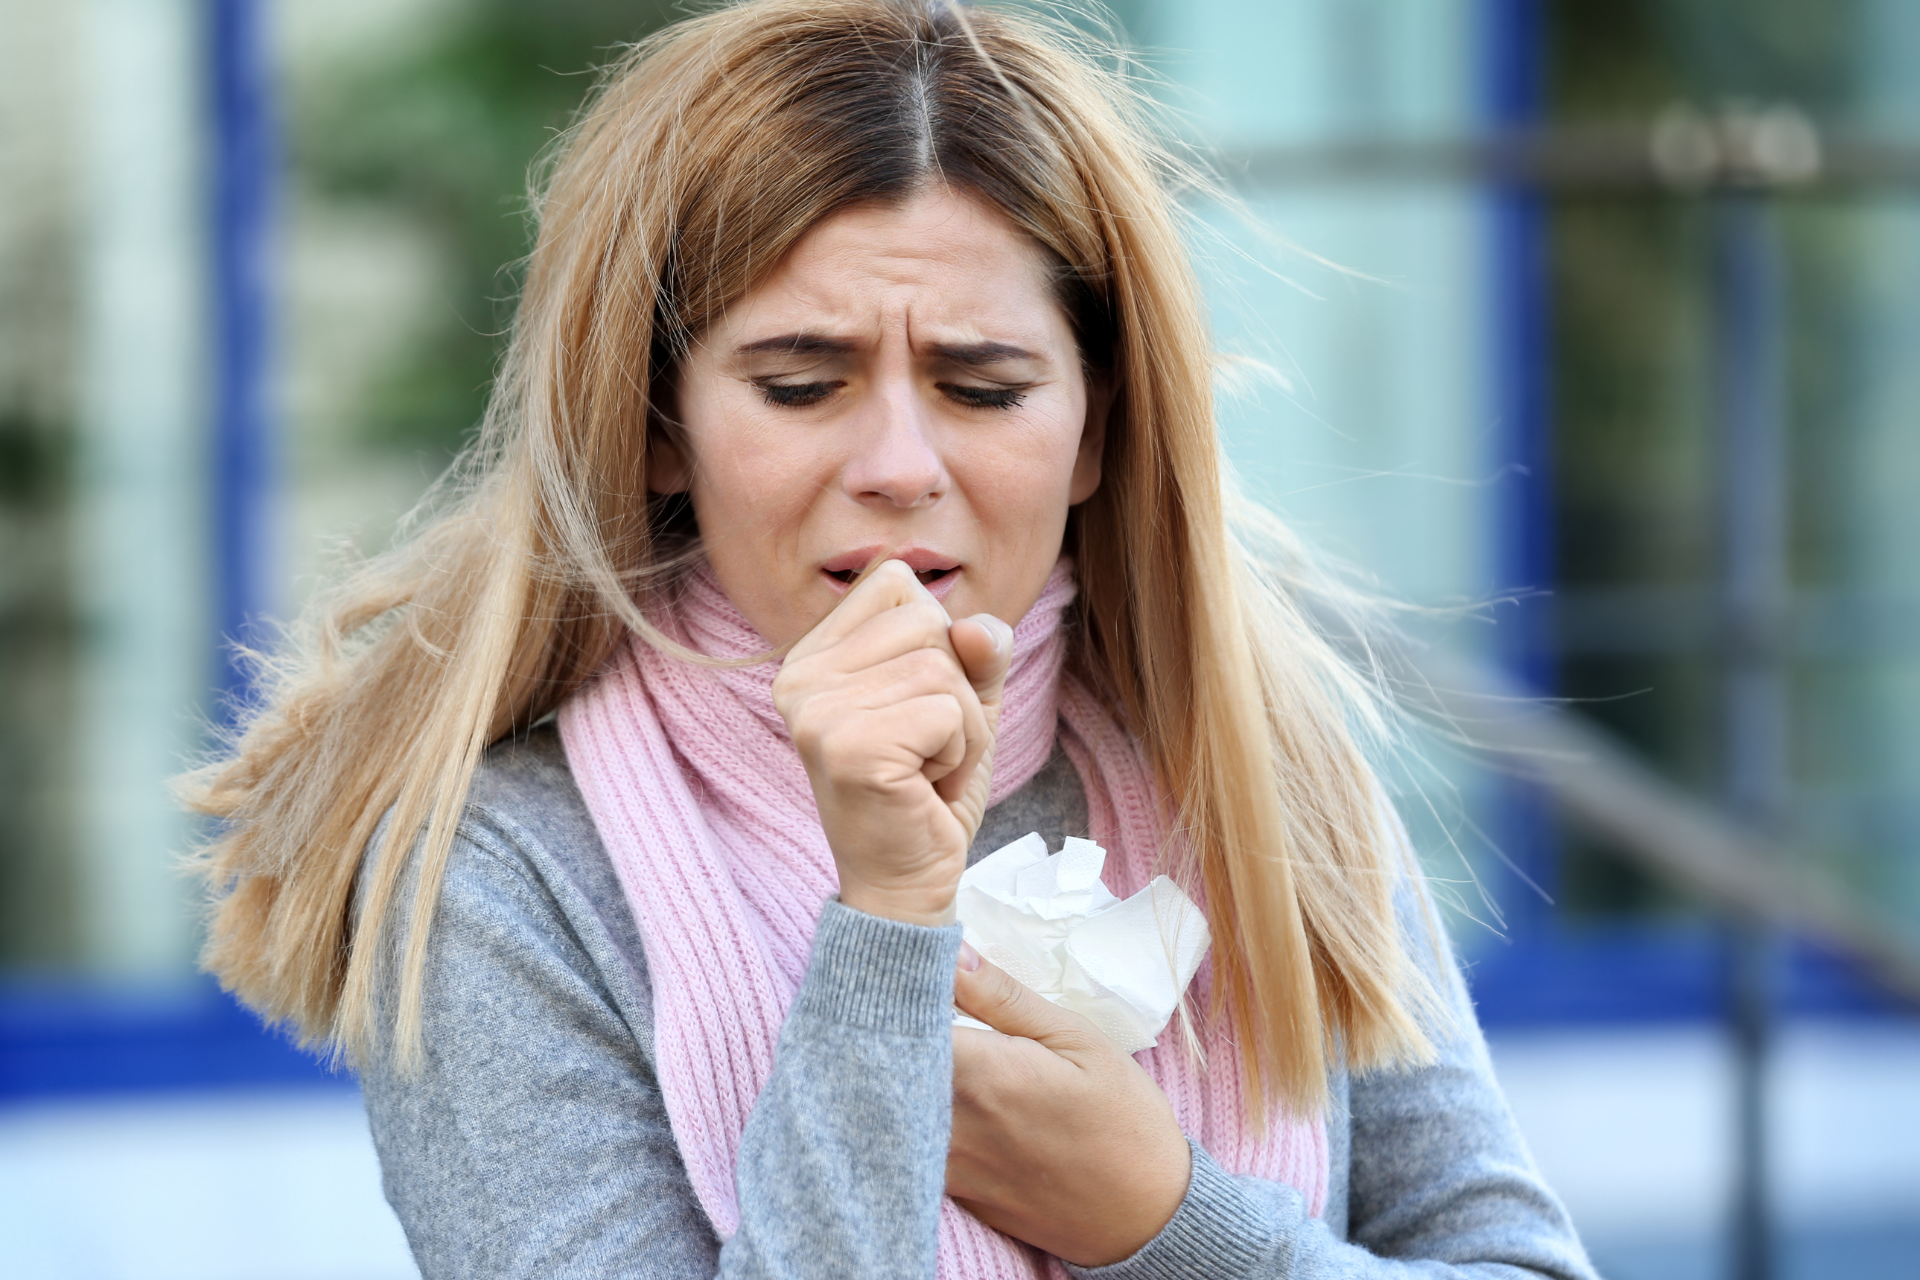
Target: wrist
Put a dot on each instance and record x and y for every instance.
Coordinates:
(932, 908)
(1158, 1205)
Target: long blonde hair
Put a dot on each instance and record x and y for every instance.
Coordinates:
(704, 154)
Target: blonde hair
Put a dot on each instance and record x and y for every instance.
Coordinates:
(704, 154)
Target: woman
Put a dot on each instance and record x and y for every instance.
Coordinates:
(849, 319)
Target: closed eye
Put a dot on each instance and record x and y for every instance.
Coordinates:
(796, 395)
(983, 397)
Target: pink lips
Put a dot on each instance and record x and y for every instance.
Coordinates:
(937, 572)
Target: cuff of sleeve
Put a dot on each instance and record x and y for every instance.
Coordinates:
(879, 974)
(1217, 1233)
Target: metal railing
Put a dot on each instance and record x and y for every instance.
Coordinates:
(1740, 159)
(1684, 151)
(1607, 788)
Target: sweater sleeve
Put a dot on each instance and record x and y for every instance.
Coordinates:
(843, 1162)
(533, 1140)
(1441, 1186)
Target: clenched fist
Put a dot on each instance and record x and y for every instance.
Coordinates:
(893, 707)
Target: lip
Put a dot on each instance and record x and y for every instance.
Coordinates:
(921, 560)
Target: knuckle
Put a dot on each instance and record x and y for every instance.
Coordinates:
(807, 711)
(934, 664)
(1001, 989)
(925, 665)
(946, 713)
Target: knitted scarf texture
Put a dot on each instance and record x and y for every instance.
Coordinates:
(705, 811)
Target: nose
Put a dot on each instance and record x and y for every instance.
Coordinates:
(897, 463)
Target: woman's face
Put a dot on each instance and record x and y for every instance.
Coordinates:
(904, 381)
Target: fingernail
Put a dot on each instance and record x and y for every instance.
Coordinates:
(969, 958)
(1002, 636)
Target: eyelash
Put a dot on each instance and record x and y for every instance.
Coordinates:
(984, 397)
(796, 395)
(801, 395)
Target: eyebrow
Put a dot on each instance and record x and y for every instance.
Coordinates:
(797, 344)
(971, 354)
(975, 354)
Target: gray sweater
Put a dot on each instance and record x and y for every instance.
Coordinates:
(534, 1141)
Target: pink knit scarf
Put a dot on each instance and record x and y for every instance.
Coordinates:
(706, 813)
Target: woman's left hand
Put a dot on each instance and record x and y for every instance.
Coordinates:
(1059, 1139)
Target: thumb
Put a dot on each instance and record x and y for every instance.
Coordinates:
(984, 645)
(994, 996)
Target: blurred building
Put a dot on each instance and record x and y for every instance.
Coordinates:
(1587, 326)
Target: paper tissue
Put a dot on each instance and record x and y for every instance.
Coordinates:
(1051, 923)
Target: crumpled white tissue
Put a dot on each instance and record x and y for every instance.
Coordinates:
(1051, 923)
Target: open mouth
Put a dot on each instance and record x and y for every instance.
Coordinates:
(927, 576)
(936, 570)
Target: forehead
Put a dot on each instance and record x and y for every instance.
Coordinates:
(942, 260)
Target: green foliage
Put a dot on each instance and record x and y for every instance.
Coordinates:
(1634, 400)
(1606, 59)
(1627, 59)
(1801, 51)
(447, 131)
(34, 463)
(38, 640)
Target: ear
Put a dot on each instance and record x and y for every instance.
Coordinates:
(667, 467)
(1093, 440)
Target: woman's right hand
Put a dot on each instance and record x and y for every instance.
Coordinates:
(893, 707)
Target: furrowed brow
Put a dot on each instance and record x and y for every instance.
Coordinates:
(796, 344)
(976, 354)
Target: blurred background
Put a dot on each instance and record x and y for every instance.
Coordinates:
(1580, 321)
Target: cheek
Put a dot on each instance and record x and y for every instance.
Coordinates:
(1031, 468)
(749, 471)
